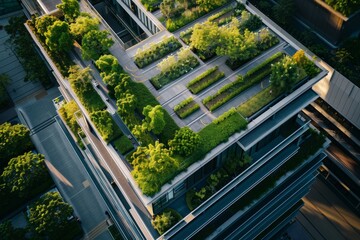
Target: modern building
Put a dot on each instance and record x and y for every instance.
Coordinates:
(278, 150)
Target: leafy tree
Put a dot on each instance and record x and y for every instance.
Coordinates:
(152, 167)
(70, 8)
(43, 23)
(24, 173)
(15, 140)
(108, 64)
(284, 11)
(205, 36)
(302, 61)
(79, 78)
(166, 7)
(8, 232)
(48, 216)
(104, 124)
(58, 37)
(95, 43)
(154, 118)
(284, 74)
(164, 221)
(208, 5)
(83, 24)
(126, 104)
(184, 142)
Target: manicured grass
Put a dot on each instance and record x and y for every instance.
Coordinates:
(155, 52)
(205, 79)
(181, 68)
(257, 102)
(123, 144)
(186, 107)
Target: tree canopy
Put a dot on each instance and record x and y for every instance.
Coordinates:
(153, 165)
(15, 140)
(205, 36)
(284, 74)
(207, 5)
(70, 8)
(184, 142)
(95, 43)
(43, 23)
(83, 24)
(154, 118)
(23, 173)
(48, 216)
(58, 37)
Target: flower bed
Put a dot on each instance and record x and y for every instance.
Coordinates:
(186, 107)
(174, 71)
(204, 80)
(145, 57)
(231, 90)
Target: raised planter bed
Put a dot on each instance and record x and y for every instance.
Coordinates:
(231, 90)
(204, 80)
(186, 107)
(180, 68)
(155, 52)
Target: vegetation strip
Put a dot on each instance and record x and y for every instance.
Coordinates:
(145, 57)
(233, 89)
(186, 107)
(204, 80)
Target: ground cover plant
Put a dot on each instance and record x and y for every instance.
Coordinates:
(179, 13)
(148, 55)
(186, 107)
(173, 67)
(205, 80)
(231, 90)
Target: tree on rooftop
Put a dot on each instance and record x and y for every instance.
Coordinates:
(205, 36)
(164, 221)
(152, 166)
(126, 104)
(83, 24)
(108, 64)
(302, 61)
(70, 8)
(184, 142)
(48, 216)
(154, 118)
(58, 37)
(166, 7)
(15, 140)
(43, 23)
(207, 5)
(284, 74)
(24, 173)
(95, 43)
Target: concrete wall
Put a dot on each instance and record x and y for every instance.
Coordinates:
(342, 95)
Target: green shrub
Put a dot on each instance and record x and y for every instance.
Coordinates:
(205, 80)
(186, 107)
(123, 145)
(106, 125)
(184, 142)
(144, 57)
(166, 220)
(225, 115)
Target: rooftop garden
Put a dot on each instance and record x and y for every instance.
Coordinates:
(148, 55)
(344, 6)
(173, 67)
(186, 107)
(179, 13)
(205, 80)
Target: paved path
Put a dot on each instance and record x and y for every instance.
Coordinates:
(326, 216)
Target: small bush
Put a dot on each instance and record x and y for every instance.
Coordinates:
(106, 126)
(166, 220)
(123, 145)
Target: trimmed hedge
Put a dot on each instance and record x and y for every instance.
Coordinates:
(204, 80)
(186, 107)
(123, 145)
(182, 67)
(155, 52)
